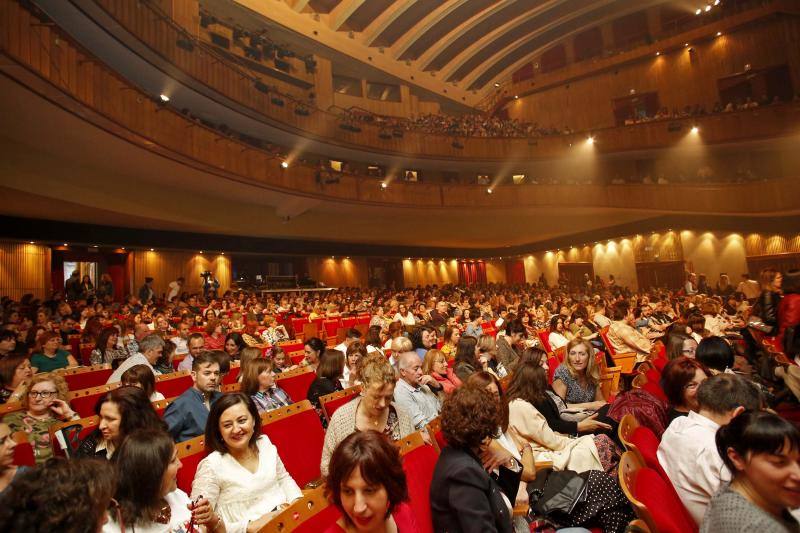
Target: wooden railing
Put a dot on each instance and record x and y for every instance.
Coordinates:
(39, 57)
(206, 68)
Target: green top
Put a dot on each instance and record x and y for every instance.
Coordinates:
(47, 364)
(38, 432)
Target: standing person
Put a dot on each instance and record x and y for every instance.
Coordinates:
(749, 288)
(105, 287)
(175, 288)
(87, 287)
(186, 416)
(72, 287)
(146, 294)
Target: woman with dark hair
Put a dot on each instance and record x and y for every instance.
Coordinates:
(355, 353)
(313, 349)
(679, 380)
(258, 382)
(558, 330)
(716, 354)
(328, 380)
(762, 451)
(147, 486)
(372, 340)
(48, 355)
(242, 481)
(451, 337)
(122, 411)
(789, 308)
(142, 377)
(466, 359)
(680, 344)
(15, 372)
(106, 351)
(768, 302)
(234, 344)
(62, 496)
(366, 482)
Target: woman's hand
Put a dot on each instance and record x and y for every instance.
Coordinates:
(202, 512)
(598, 404)
(61, 409)
(494, 455)
(590, 425)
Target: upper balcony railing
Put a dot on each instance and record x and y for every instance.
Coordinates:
(208, 67)
(65, 75)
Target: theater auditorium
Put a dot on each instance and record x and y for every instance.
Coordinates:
(399, 266)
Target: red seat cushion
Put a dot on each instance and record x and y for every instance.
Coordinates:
(231, 376)
(655, 390)
(647, 444)
(418, 464)
(23, 454)
(660, 499)
(333, 405)
(85, 380)
(188, 469)
(171, 388)
(84, 405)
(299, 439)
(295, 386)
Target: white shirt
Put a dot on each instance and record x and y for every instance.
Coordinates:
(179, 520)
(138, 359)
(557, 340)
(174, 289)
(601, 320)
(688, 454)
(181, 345)
(420, 403)
(239, 495)
(407, 320)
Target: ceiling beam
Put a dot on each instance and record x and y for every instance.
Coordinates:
(300, 5)
(385, 19)
(405, 41)
(339, 14)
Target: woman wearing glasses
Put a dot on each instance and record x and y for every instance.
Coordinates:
(680, 379)
(43, 404)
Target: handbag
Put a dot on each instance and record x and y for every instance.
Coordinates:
(554, 492)
(755, 322)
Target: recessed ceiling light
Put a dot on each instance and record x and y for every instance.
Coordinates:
(164, 98)
(285, 164)
(489, 190)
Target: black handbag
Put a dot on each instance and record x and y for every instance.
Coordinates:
(555, 492)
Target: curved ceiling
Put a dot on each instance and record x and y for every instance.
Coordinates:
(472, 43)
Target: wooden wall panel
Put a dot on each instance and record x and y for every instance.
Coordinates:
(166, 266)
(24, 268)
(339, 271)
(760, 244)
(429, 272)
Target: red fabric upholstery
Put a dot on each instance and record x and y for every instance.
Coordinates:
(660, 363)
(440, 440)
(653, 375)
(75, 436)
(418, 464)
(85, 380)
(604, 335)
(86, 356)
(295, 386)
(331, 406)
(74, 342)
(299, 439)
(655, 390)
(552, 364)
(647, 444)
(331, 326)
(23, 454)
(232, 375)
(173, 387)
(349, 322)
(292, 346)
(84, 405)
(363, 319)
(188, 469)
(662, 502)
(545, 340)
(297, 358)
(297, 325)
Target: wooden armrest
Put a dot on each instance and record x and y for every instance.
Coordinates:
(314, 483)
(521, 509)
(541, 465)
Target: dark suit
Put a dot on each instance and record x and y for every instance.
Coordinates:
(464, 499)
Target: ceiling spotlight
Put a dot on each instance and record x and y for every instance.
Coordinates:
(686, 44)
(284, 164)
(497, 84)
(66, 244)
(719, 33)
(658, 53)
(708, 8)
(201, 251)
(590, 140)
(698, 11)
(31, 242)
(384, 185)
(695, 129)
(489, 191)
(516, 97)
(716, 2)
(164, 98)
(152, 249)
(222, 253)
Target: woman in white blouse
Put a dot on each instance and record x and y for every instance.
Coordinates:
(404, 316)
(243, 482)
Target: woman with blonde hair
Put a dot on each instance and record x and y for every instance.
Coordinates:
(435, 365)
(577, 379)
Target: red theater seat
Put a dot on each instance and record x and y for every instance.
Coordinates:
(23, 452)
(296, 382)
(84, 400)
(310, 514)
(297, 433)
(331, 402)
(86, 377)
(70, 434)
(175, 384)
(419, 461)
(190, 452)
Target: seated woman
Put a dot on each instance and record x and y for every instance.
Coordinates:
(679, 381)
(147, 486)
(487, 356)
(43, 404)
(328, 380)
(680, 344)
(355, 353)
(234, 344)
(372, 409)
(527, 389)
(466, 359)
(122, 411)
(48, 355)
(366, 482)
(63, 496)
(15, 373)
(435, 365)
(716, 354)
(258, 382)
(577, 379)
(274, 333)
(106, 350)
(762, 451)
(9, 472)
(142, 377)
(557, 337)
(313, 349)
(281, 361)
(451, 337)
(464, 497)
(242, 481)
(214, 337)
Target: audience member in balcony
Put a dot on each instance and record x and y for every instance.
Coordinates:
(229, 500)
(15, 374)
(122, 411)
(64, 496)
(258, 382)
(234, 344)
(151, 348)
(761, 450)
(688, 451)
(186, 416)
(328, 380)
(48, 355)
(680, 379)
(43, 404)
(313, 349)
(142, 377)
(368, 485)
(106, 351)
(415, 392)
(624, 337)
(372, 409)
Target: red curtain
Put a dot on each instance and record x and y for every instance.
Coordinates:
(471, 272)
(515, 272)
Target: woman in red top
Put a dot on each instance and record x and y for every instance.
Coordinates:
(435, 364)
(367, 483)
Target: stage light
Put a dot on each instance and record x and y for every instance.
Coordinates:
(708, 8)
(695, 130)
(66, 244)
(686, 45)
(489, 190)
(31, 242)
(384, 185)
(590, 140)
(698, 11)
(164, 98)
(201, 251)
(152, 249)
(284, 164)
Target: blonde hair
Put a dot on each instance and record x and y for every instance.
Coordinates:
(401, 344)
(247, 355)
(430, 359)
(375, 369)
(56, 379)
(486, 344)
(592, 371)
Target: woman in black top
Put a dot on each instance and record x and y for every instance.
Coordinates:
(328, 380)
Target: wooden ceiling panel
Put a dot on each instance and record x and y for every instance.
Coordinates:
(406, 21)
(323, 6)
(365, 14)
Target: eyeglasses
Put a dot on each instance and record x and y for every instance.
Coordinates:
(691, 386)
(45, 394)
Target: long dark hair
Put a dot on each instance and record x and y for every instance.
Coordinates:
(141, 462)
(135, 410)
(465, 350)
(528, 383)
(102, 339)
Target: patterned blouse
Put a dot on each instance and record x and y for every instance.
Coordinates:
(273, 398)
(38, 432)
(575, 393)
(114, 354)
